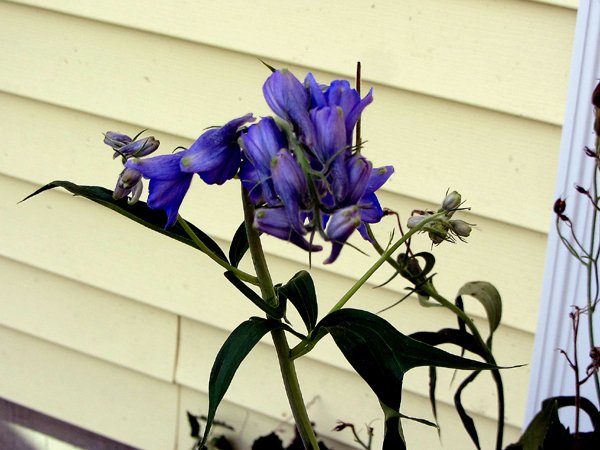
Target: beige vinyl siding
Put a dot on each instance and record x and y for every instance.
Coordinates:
(468, 96)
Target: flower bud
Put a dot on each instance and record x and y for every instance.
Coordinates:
(116, 140)
(139, 148)
(413, 221)
(559, 206)
(452, 201)
(461, 228)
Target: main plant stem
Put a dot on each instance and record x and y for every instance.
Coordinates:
(286, 363)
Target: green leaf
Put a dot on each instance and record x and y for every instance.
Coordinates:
(232, 353)
(239, 245)
(276, 313)
(300, 291)
(489, 297)
(138, 212)
(466, 420)
(381, 355)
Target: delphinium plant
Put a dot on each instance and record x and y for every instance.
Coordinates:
(546, 429)
(304, 178)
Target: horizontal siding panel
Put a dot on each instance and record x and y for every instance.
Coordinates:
(186, 277)
(257, 386)
(571, 4)
(434, 144)
(440, 144)
(95, 395)
(89, 320)
(486, 53)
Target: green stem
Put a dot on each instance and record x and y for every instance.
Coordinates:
(238, 273)
(286, 363)
(430, 290)
(383, 258)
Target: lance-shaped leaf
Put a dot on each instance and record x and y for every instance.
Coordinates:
(232, 353)
(275, 312)
(489, 297)
(138, 212)
(300, 291)
(381, 355)
(239, 245)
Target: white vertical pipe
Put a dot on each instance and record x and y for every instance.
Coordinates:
(564, 277)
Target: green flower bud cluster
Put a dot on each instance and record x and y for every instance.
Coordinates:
(444, 228)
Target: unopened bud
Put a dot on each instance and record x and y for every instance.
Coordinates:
(581, 189)
(116, 140)
(589, 152)
(559, 206)
(452, 201)
(413, 221)
(139, 148)
(461, 228)
(438, 232)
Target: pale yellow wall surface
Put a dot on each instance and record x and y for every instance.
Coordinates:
(469, 95)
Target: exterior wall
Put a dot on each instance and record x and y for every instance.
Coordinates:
(114, 328)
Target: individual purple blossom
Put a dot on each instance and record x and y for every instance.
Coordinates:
(339, 228)
(260, 143)
(275, 221)
(288, 98)
(168, 184)
(291, 187)
(216, 155)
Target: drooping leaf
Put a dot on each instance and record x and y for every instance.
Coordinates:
(239, 245)
(138, 212)
(460, 338)
(466, 420)
(232, 353)
(432, 399)
(300, 291)
(489, 297)
(276, 313)
(381, 355)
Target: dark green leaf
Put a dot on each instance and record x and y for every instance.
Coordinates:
(432, 400)
(232, 353)
(300, 291)
(276, 313)
(239, 245)
(381, 355)
(489, 297)
(466, 420)
(139, 212)
(460, 338)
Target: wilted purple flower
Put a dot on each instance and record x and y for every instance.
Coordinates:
(275, 221)
(130, 180)
(168, 184)
(216, 155)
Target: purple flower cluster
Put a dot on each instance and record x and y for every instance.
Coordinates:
(302, 171)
